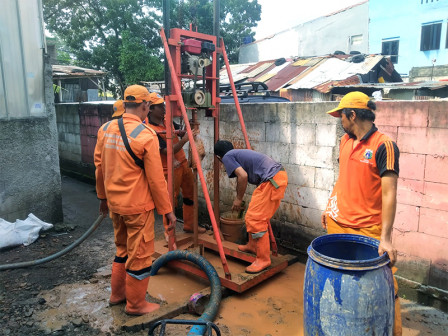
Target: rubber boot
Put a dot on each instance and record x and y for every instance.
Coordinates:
(250, 247)
(118, 284)
(136, 303)
(188, 217)
(263, 259)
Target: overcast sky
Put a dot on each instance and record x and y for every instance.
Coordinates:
(278, 15)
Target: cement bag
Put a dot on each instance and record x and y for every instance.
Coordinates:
(201, 152)
(22, 231)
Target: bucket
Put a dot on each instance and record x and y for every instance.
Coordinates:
(348, 289)
(232, 226)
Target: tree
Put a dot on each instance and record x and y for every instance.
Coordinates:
(95, 30)
(122, 36)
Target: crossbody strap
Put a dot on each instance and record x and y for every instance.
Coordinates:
(138, 161)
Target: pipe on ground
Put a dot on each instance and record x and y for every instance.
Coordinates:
(215, 296)
(94, 226)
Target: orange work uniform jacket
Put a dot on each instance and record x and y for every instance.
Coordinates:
(179, 156)
(128, 188)
(356, 200)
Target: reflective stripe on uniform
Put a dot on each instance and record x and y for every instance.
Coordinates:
(137, 131)
(106, 126)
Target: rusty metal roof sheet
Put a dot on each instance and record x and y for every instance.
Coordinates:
(431, 85)
(327, 86)
(74, 71)
(284, 76)
(320, 73)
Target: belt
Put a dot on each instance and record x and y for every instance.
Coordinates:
(276, 186)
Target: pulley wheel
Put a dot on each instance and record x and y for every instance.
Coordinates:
(199, 97)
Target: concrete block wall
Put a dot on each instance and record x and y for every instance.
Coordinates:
(306, 141)
(421, 225)
(77, 129)
(300, 136)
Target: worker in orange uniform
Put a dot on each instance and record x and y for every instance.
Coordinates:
(364, 198)
(183, 175)
(130, 189)
(269, 176)
(118, 109)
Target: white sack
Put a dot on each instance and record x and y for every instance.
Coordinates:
(22, 231)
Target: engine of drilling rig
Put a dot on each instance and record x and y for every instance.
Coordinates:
(195, 58)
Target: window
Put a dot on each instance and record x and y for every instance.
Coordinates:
(446, 42)
(391, 48)
(430, 39)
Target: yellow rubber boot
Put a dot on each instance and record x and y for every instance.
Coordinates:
(118, 284)
(136, 303)
(263, 259)
(250, 247)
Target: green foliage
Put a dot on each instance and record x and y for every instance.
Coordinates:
(122, 36)
(93, 30)
(138, 63)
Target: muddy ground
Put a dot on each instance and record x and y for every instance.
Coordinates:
(68, 296)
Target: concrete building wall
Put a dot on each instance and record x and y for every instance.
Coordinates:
(402, 20)
(306, 141)
(345, 31)
(30, 180)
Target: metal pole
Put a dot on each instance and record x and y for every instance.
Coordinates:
(194, 150)
(237, 104)
(216, 165)
(167, 27)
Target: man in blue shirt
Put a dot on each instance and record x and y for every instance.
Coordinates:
(271, 180)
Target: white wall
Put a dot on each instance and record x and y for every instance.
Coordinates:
(318, 37)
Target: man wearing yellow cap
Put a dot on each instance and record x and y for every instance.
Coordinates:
(130, 184)
(364, 198)
(183, 175)
(118, 109)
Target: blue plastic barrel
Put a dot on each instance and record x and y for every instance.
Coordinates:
(348, 288)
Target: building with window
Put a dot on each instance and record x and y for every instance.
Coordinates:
(344, 31)
(413, 32)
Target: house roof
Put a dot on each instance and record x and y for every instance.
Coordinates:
(320, 73)
(431, 85)
(70, 71)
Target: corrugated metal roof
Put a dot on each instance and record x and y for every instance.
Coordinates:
(255, 72)
(284, 76)
(319, 73)
(74, 71)
(432, 85)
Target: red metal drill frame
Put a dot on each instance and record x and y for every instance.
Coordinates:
(175, 103)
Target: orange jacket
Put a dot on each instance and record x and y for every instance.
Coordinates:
(179, 156)
(128, 189)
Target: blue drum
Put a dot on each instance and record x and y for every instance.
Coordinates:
(348, 288)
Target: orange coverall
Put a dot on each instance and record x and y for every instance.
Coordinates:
(264, 203)
(183, 179)
(131, 192)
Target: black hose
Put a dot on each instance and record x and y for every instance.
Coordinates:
(94, 226)
(215, 295)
